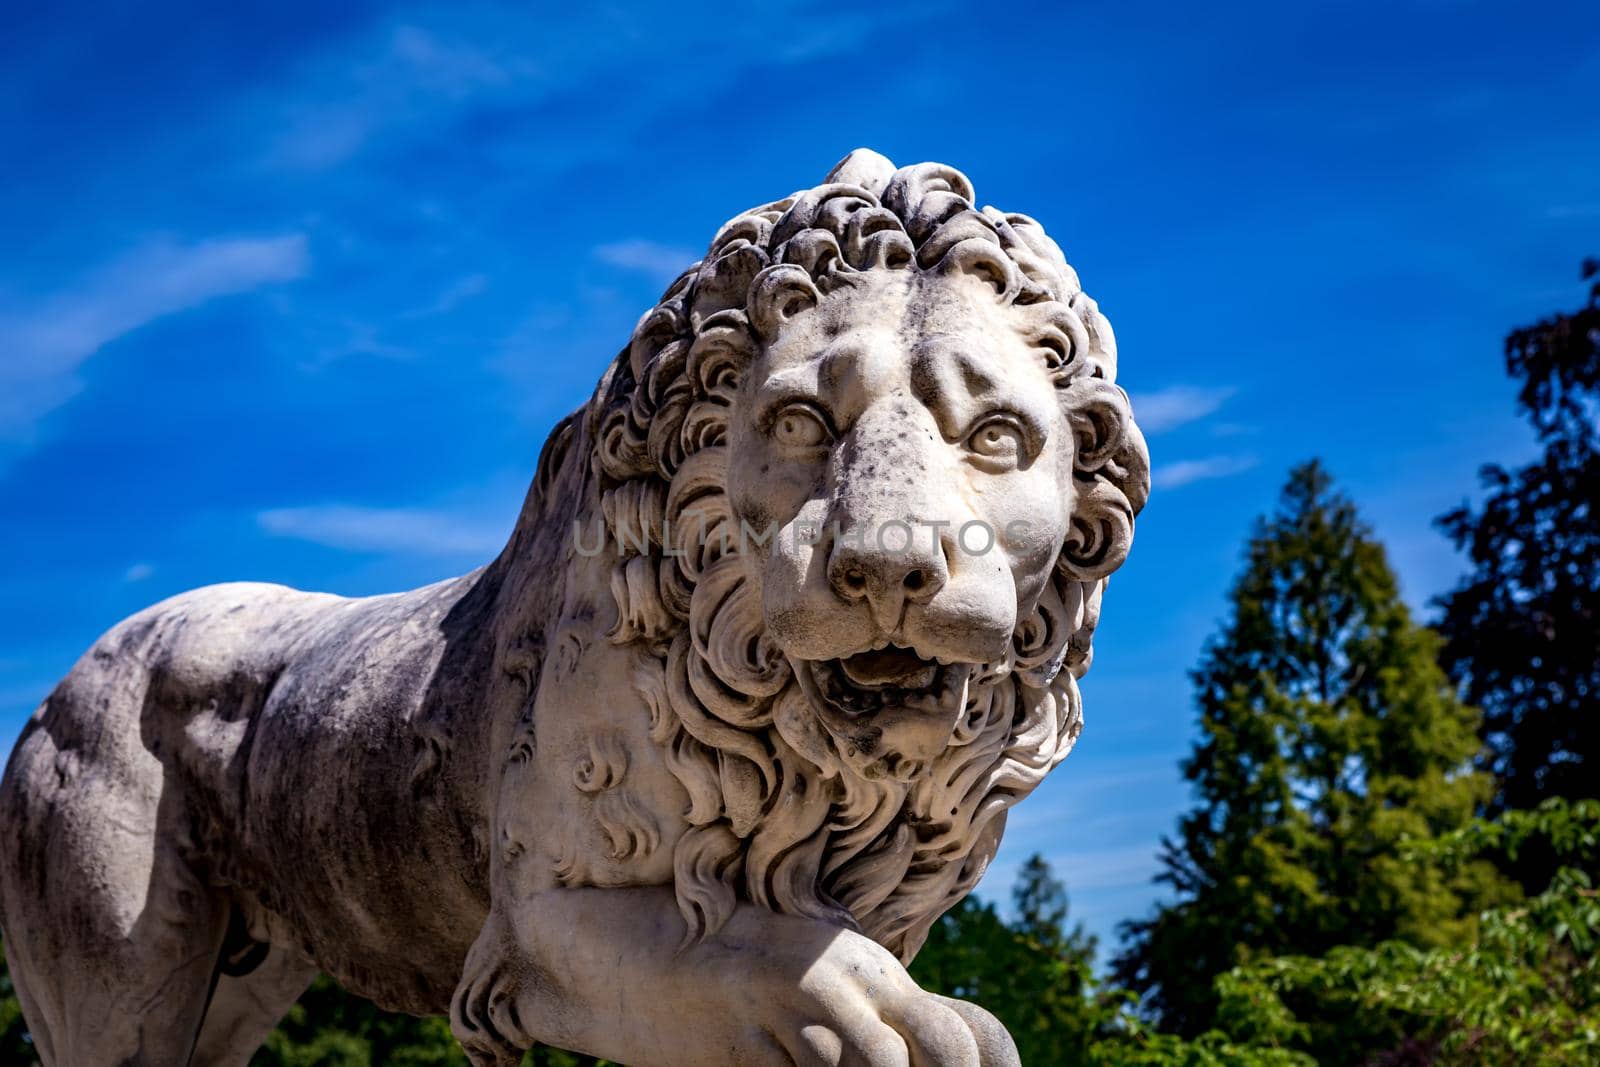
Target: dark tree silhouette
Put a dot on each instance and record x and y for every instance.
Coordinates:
(1522, 630)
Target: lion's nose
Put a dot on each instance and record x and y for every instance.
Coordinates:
(862, 566)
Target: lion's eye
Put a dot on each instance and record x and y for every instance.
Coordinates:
(998, 438)
(800, 426)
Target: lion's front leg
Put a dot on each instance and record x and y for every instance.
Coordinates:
(601, 971)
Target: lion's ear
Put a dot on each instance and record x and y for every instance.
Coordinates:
(779, 294)
(1100, 417)
(1101, 531)
(1111, 475)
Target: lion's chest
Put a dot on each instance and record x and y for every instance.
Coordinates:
(587, 797)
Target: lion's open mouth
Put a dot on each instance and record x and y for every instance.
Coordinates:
(889, 677)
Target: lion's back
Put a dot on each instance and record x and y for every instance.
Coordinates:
(195, 646)
(94, 759)
(210, 646)
(267, 731)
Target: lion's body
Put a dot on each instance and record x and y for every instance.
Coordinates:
(678, 798)
(264, 741)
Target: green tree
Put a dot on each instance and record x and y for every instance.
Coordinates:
(1524, 990)
(1522, 629)
(16, 1047)
(329, 1027)
(1040, 900)
(1033, 973)
(1328, 734)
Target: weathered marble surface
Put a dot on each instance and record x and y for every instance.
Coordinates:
(794, 612)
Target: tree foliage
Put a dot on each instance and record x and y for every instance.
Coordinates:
(15, 1044)
(1523, 627)
(1328, 734)
(329, 1027)
(1524, 990)
(1034, 972)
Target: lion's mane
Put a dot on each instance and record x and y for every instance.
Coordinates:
(779, 815)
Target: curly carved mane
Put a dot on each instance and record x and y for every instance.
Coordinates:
(780, 815)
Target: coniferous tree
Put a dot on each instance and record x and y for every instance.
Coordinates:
(1328, 734)
(1522, 630)
(1040, 900)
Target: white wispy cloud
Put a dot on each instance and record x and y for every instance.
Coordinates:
(660, 262)
(410, 75)
(1086, 871)
(1189, 471)
(451, 297)
(408, 79)
(43, 347)
(368, 529)
(1169, 408)
(1231, 429)
(138, 572)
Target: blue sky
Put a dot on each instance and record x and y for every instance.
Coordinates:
(294, 294)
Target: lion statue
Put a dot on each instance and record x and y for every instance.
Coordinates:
(794, 612)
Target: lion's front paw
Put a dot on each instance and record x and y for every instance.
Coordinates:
(856, 1005)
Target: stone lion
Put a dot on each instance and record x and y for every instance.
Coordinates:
(795, 610)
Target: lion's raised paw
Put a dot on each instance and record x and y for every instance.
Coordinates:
(856, 1006)
(918, 1031)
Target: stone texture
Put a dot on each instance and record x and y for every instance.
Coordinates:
(794, 612)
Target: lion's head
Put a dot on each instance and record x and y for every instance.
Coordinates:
(870, 470)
